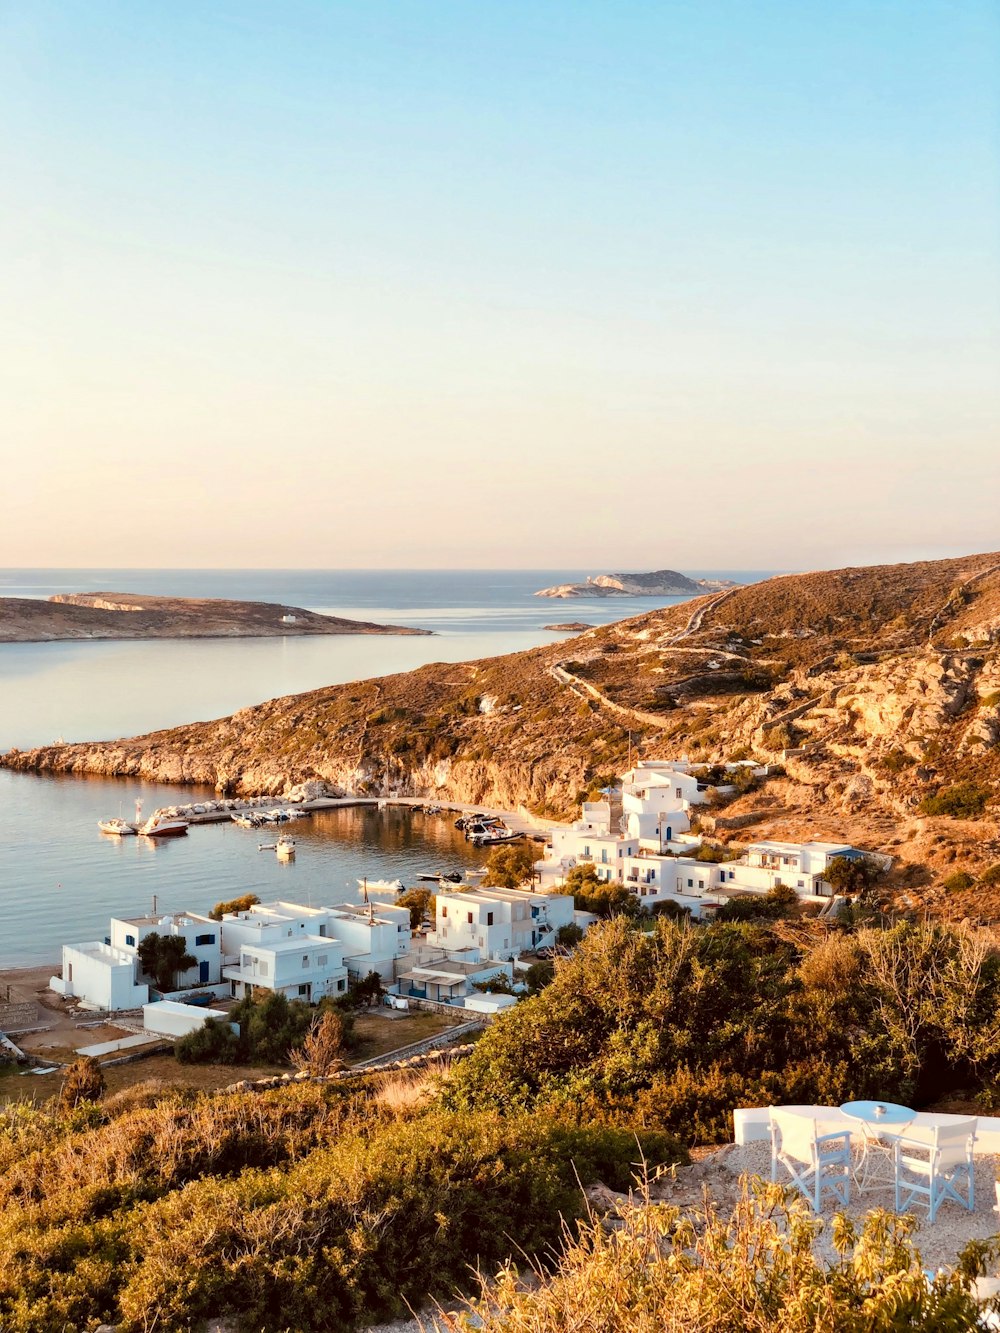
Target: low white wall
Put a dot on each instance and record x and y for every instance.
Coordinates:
(170, 1019)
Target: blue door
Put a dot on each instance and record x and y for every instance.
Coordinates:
(203, 971)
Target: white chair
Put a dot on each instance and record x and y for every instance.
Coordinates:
(936, 1165)
(815, 1161)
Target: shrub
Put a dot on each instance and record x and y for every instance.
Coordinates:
(213, 1043)
(84, 1082)
(964, 800)
(896, 761)
(569, 935)
(756, 1269)
(961, 879)
(241, 904)
(991, 876)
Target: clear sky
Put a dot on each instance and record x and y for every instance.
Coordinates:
(627, 284)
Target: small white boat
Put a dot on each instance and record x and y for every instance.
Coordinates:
(382, 885)
(159, 825)
(119, 827)
(285, 848)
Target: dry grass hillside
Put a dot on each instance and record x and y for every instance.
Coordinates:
(874, 687)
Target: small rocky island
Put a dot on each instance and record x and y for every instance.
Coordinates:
(660, 583)
(123, 615)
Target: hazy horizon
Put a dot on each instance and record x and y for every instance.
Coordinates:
(540, 285)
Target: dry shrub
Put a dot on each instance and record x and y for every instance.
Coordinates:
(404, 1090)
(663, 1271)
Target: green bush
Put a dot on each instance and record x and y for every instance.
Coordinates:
(378, 1217)
(991, 876)
(213, 1043)
(961, 879)
(896, 761)
(964, 800)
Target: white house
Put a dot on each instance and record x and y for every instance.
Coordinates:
(375, 938)
(500, 923)
(370, 939)
(450, 977)
(305, 967)
(109, 975)
(201, 937)
(100, 977)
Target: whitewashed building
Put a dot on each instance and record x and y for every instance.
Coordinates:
(170, 1019)
(500, 923)
(305, 967)
(100, 977)
(108, 974)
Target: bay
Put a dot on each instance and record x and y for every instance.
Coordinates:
(60, 879)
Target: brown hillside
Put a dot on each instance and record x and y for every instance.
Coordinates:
(874, 687)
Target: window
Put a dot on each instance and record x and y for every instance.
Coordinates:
(203, 939)
(802, 883)
(130, 939)
(322, 931)
(262, 966)
(444, 910)
(321, 960)
(489, 918)
(469, 917)
(678, 793)
(305, 960)
(304, 990)
(340, 984)
(690, 883)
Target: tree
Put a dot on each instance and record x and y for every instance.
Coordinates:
(368, 991)
(242, 904)
(853, 874)
(84, 1082)
(602, 897)
(163, 957)
(421, 903)
(322, 1051)
(510, 865)
(569, 935)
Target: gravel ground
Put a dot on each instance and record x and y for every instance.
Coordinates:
(939, 1244)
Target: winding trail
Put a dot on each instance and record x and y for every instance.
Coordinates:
(583, 689)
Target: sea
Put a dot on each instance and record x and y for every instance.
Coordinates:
(61, 879)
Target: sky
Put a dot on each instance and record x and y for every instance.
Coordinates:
(432, 283)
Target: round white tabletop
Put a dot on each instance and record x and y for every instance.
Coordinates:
(878, 1113)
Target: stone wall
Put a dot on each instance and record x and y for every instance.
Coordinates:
(18, 1017)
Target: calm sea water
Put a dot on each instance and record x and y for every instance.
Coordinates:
(60, 879)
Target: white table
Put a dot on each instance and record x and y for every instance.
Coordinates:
(879, 1120)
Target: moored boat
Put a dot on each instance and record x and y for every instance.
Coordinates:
(120, 827)
(159, 825)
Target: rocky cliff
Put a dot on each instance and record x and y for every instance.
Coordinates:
(873, 688)
(123, 615)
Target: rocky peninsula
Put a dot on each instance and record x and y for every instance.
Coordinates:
(123, 615)
(660, 583)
